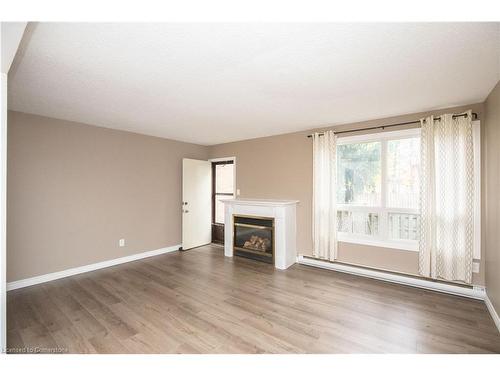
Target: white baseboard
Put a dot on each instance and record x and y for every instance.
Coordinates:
(476, 292)
(492, 311)
(89, 267)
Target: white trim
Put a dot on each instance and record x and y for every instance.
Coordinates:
(260, 202)
(402, 245)
(11, 34)
(89, 267)
(492, 311)
(476, 292)
(476, 136)
(3, 208)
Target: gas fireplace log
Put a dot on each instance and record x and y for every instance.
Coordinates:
(257, 243)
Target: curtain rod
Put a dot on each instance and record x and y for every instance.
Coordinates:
(474, 117)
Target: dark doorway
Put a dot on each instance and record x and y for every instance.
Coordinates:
(222, 188)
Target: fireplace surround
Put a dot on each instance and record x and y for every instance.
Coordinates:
(274, 220)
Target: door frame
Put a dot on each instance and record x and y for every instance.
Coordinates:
(221, 160)
(229, 158)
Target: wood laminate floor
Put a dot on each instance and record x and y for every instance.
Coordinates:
(198, 301)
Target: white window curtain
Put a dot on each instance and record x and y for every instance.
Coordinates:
(324, 196)
(447, 198)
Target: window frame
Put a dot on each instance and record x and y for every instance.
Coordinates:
(383, 211)
(382, 239)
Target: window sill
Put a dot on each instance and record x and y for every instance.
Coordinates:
(398, 245)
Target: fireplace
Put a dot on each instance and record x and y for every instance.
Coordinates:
(273, 218)
(254, 237)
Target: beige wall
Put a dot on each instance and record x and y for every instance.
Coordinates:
(492, 196)
(281, 167)
(74, 190)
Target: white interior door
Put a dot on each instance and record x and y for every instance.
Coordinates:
(196, 203)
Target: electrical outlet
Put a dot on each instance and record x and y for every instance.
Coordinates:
(121, 243)
(237, 192)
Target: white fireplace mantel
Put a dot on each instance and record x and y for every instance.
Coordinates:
(284, 214)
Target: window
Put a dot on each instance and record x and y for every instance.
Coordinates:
(223, 187)
(378, 183)
(358, 173)
(403, 165)
(378, 189)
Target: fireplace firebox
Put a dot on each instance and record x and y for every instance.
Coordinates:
(254, 237)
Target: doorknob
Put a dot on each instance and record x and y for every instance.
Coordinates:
(185, 211)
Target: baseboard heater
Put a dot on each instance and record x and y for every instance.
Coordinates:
(475, 291)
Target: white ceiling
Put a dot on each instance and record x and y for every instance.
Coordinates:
(215, 83)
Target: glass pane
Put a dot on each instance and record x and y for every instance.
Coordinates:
(219, 207)
(224, 178)
(358, 174)
(260, 240)
(357, 223)
(403, 167)
(404, 226)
